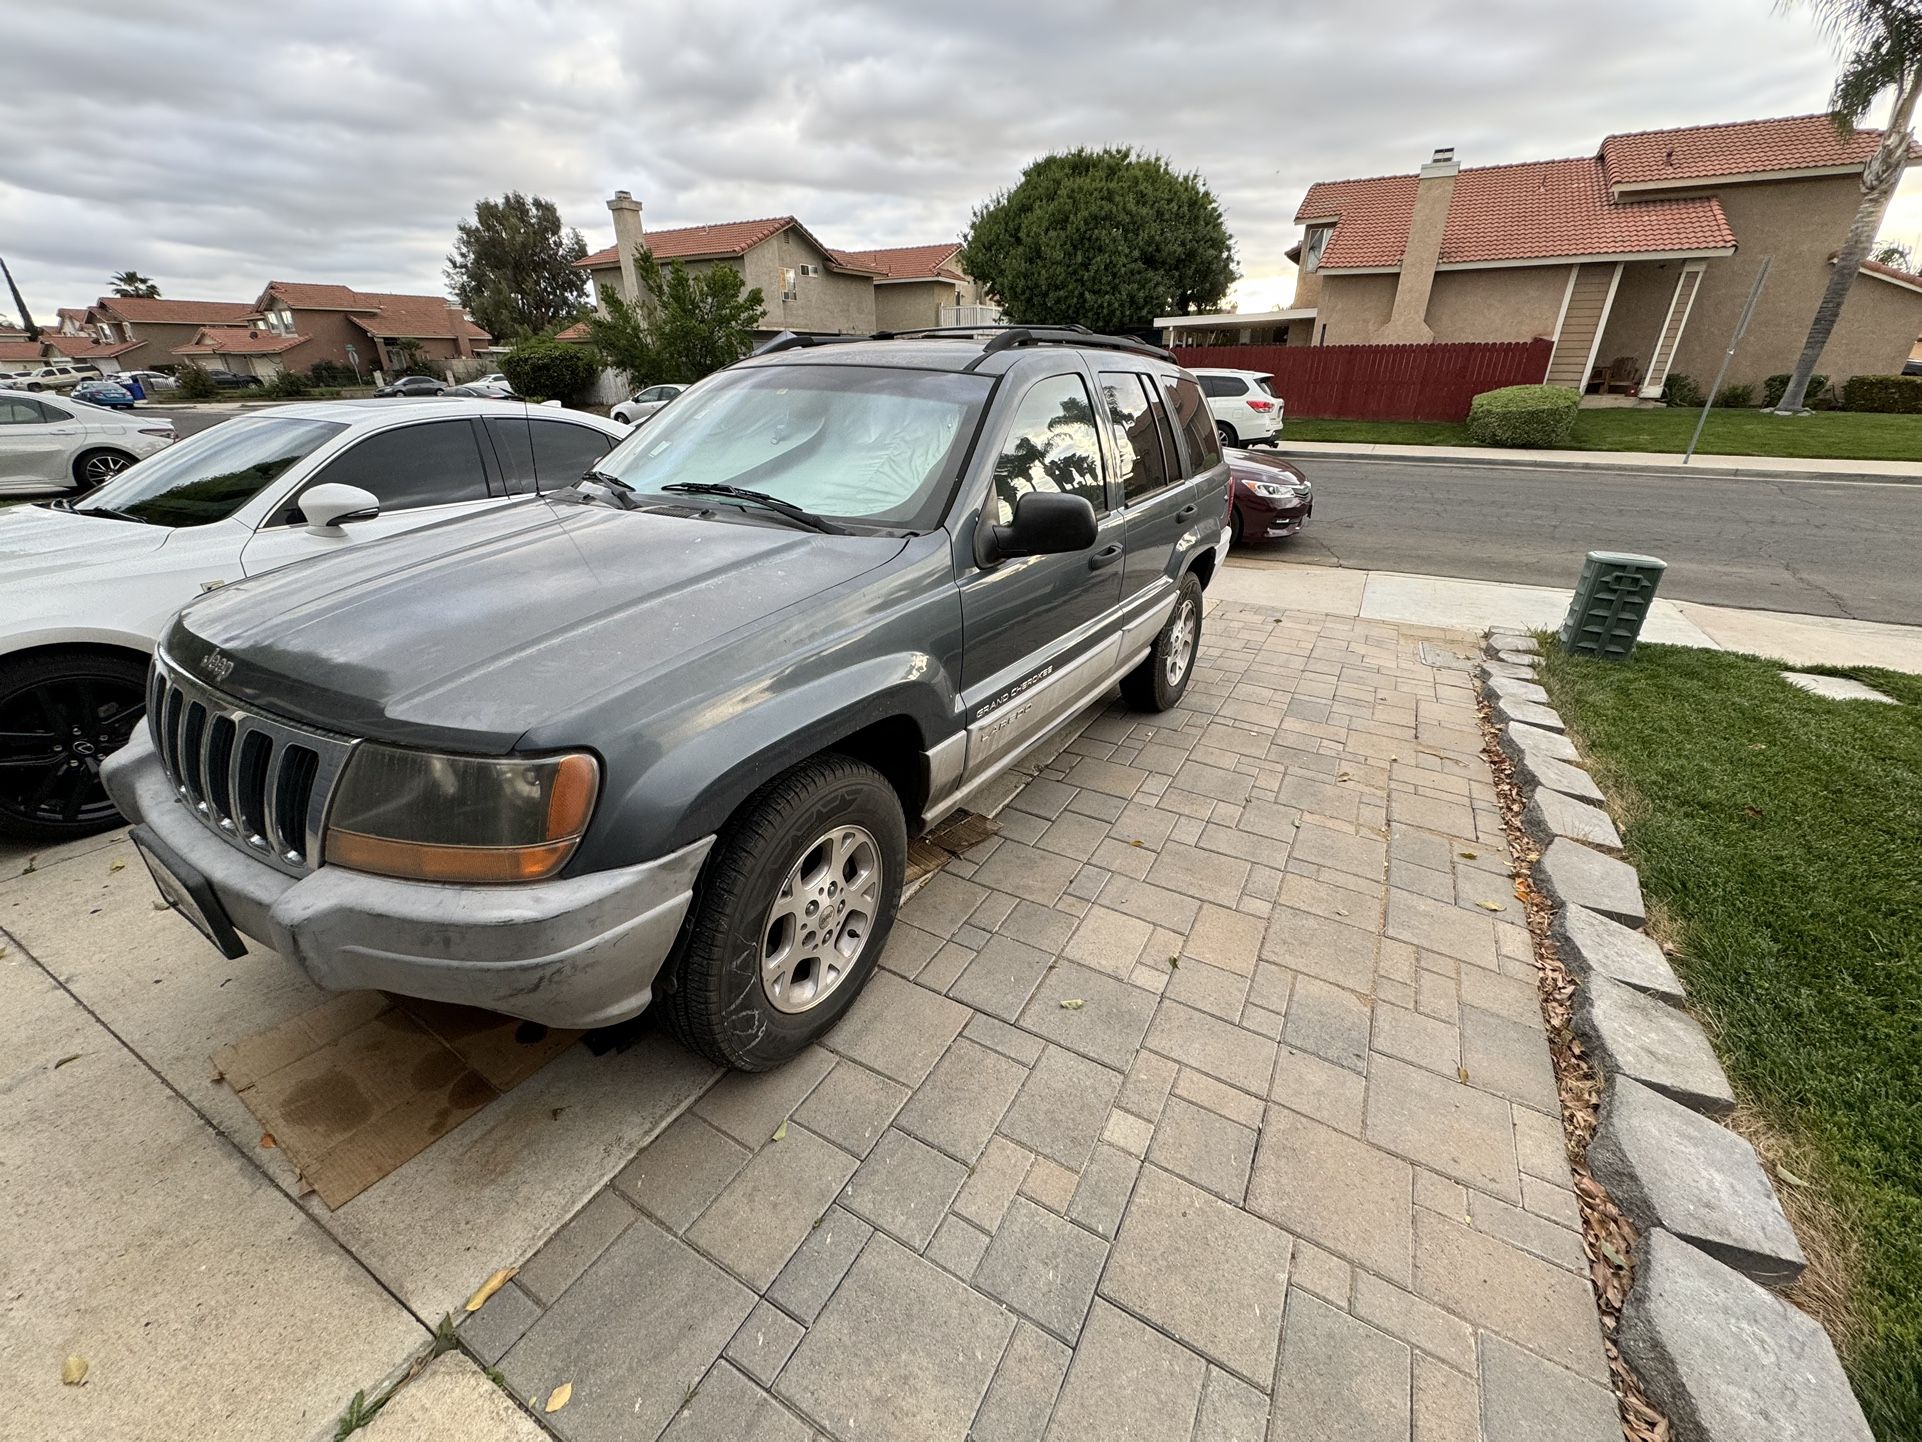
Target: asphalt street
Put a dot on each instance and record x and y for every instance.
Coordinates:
(1826, 548)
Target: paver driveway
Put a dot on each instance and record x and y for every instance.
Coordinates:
(1210, 1100)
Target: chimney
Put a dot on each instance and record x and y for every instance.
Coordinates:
(1436, 183)
(627, 239)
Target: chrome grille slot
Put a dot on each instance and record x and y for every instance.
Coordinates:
(261, 783)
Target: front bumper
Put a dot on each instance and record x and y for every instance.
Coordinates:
(582, 951)
(1266, 519)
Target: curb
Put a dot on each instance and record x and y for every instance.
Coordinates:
(1309, 450)
(1714, 1238)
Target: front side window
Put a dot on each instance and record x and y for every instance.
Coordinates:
(1051, 446)
(435, 464)
(210, 476)
(1199, 441)
(1140, 433)
(864, 444)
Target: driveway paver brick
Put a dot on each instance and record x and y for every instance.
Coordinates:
(1287, 1164)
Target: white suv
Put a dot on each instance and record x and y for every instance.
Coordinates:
(1244, 404)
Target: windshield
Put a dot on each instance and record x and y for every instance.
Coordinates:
(210, 476)
(863, 444)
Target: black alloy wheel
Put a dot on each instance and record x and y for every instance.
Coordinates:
(60, 717)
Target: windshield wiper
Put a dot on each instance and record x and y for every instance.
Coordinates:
(110, 511)
(759, 498)
(623, 492)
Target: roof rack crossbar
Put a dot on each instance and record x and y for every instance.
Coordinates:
(793, 340)
(1014, 336)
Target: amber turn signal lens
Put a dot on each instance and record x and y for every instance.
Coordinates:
(570, 795)
(415, 861)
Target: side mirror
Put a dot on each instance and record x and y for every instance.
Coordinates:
(1046, 523)
(329, 507)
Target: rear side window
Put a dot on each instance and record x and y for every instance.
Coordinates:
(1267, 384)
(1051, 446)
(1140, 433)
(1199, 442)
(19, 411)
(434, 464)
(541, 455)
(1214, 386)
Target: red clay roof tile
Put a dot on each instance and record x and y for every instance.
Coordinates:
(238, 340)
(1743, 147)
(907, 262)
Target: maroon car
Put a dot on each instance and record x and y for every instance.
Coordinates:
(1269, 497)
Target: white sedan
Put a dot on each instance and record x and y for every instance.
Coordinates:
(87, 586)
(51, 443)
(643, 404)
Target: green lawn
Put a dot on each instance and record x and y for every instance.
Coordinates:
(1841, 435)
(1779, 838)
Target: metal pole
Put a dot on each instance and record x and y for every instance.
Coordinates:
(1741, 326)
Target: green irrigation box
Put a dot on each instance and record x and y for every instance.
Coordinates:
(1610, 604)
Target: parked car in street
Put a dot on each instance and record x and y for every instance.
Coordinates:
(643, 404)
(414, 386)
(87, 586)
(667, 732)
(479, 390)
(152, 382)
(494, 378)
(232, 380)
(1271, 498)
(54, 377)
(1244, 404)
(53, 443)
(103, 393)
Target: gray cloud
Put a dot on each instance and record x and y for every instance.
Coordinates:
(216, 146)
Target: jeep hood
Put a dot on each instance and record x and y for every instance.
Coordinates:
(38, 542)
(467, 634)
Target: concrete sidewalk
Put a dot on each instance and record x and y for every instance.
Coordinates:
(1645, 462)
(1449, 603)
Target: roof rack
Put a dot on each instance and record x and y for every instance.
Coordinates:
(797, 340)
(1000, 338)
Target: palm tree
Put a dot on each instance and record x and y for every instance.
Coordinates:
(133, 283)
(1881, 46)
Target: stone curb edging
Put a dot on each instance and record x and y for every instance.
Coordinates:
(1582, 462)
(1725, 1358)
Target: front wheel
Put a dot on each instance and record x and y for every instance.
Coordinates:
(61, 715)
(1159, 682)
(796, 903)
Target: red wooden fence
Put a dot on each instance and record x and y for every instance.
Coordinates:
(1382, 382)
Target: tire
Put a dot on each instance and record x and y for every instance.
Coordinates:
(1234, 526)
(93, 469)
(35, 386)
(721, 1002)
(51, 790)
(1227, 434)
(1161, 680)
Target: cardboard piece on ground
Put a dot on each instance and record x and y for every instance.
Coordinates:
(960, 831)
(362, 1083)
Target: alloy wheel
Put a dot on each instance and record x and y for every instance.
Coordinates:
(103, 467)
(1181, 641)
(821, 919)
(53, 736)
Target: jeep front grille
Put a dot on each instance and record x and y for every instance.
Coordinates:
(259, 782)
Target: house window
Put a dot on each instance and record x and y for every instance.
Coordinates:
(1315, 244)
(788, 291)
(807, 269)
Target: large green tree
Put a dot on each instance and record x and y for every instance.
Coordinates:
(132, 283)
(512, 266)
(1106, 238)
(685, 324)
(1881, 46)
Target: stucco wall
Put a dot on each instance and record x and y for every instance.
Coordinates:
(826, 302)
(904, 305)
(1515, 303)
(1353, 308)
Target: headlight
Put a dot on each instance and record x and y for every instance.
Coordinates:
(1280, 490)
(427, 817)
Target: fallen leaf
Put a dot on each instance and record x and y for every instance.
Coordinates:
(118, 866)
(1340, 912)
(1466, 855)
(1754, 813)
(1135, 843)
(1462, 1072)
(73, 1371)
(492, 1285)
(267, 1140)
(158, 905)
(71, 1056)
(1491, 906)
(1174, 961)
(1610, 1251)
(780, 1132)
(559, 1397)
(1788, 1176)
(1072, 1004)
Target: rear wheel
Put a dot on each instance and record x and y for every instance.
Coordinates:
(1227, 434)
(96, 468)
(796, 904)
(1160, 681)
(60, 717)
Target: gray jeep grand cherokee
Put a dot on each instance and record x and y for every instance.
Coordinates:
(667, 730)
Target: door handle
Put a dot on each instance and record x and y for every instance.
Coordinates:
(1187, 512)
(1106, 556)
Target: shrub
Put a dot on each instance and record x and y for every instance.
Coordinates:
(287, 386)
(1775, 387)
(331, 373)
(1523, 416)
(194, 382)
(1893, 395)
(1681, 390)
(1735, 397)
(541, 370)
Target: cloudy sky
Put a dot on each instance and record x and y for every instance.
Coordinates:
(216, 146)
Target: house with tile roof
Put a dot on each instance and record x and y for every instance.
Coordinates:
(140, 332)
(1635, 262)
(805, 285)
(368, 330)
(922, 285)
